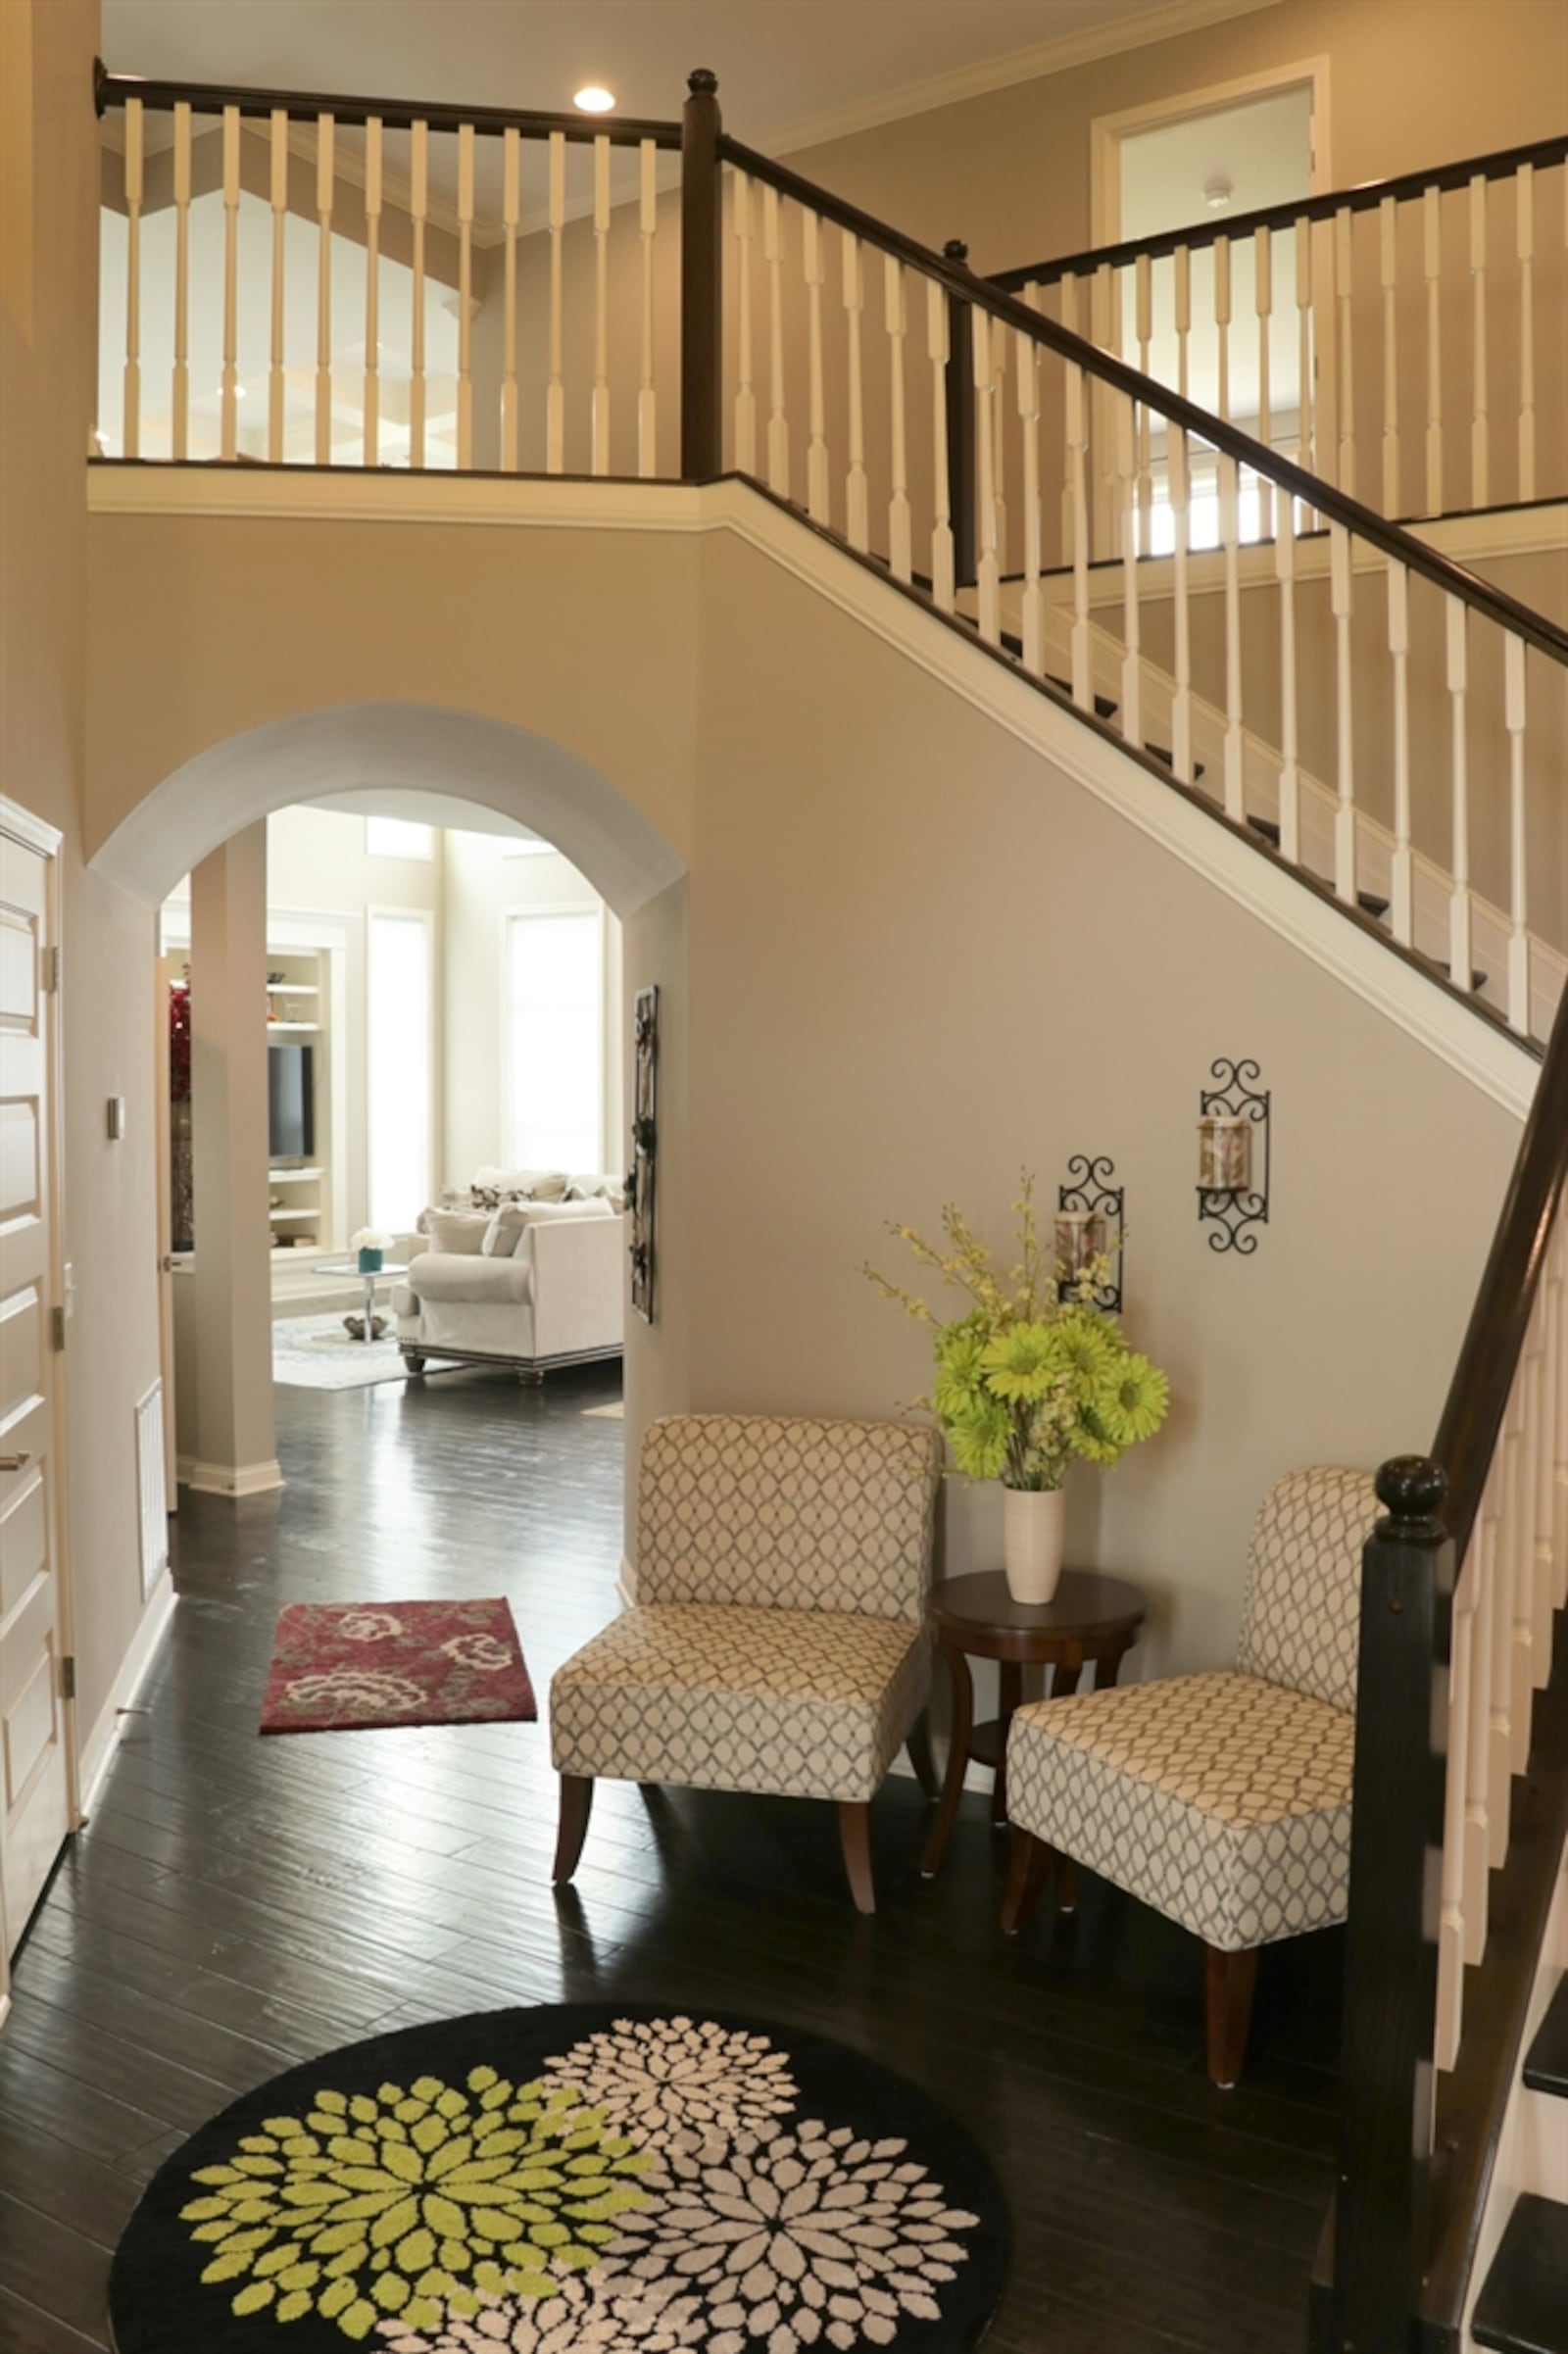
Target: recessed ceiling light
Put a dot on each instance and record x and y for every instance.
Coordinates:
(594, 100)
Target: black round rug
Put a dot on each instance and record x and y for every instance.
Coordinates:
(576, 2179)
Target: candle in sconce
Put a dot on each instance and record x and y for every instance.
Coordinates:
(1224, 1153)
(1080, 1238)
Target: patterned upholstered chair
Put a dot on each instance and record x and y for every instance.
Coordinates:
(1224, 1799)
(777, 1643)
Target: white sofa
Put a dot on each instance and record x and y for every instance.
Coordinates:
(527, 1284)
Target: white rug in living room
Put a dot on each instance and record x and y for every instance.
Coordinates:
(315, 1352)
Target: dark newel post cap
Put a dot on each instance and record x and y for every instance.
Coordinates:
(1413, 1489)
(956, 250)
(703, 83)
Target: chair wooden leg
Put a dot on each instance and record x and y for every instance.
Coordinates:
(920, 1757)
(1231, 1979)
(855, 1831)
(1066, 1884)
(1026, 1879)
(576, 1798)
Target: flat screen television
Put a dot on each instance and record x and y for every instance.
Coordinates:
(290, 1101)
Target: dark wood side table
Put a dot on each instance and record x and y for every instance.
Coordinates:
(1089, 1617)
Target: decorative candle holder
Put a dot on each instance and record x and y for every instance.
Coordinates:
(1232, 1133)
(1087, 1225)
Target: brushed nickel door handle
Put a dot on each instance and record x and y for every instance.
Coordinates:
(15, 1462)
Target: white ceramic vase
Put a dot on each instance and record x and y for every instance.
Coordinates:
(1031, 1542)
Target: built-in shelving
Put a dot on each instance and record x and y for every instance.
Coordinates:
(301, 1193)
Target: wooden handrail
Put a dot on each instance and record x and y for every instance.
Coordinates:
(393, 114)
(1400, 546)
(1503, 164)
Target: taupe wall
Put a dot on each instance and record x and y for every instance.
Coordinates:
(47, 325)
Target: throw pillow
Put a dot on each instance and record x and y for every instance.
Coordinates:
(460, 1230)
(505, 1234)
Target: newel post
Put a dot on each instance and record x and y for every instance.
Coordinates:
(1390, 1972)
(700, 327)
(960, 425)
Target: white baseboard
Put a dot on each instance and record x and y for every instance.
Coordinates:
(96, 1753)
(229, 1479)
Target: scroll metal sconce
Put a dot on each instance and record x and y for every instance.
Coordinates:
(1233, 1157)
(1088, 1223)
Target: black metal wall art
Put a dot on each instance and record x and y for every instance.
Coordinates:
(1087, 1197)
(1232, 1138)
(642, 1178)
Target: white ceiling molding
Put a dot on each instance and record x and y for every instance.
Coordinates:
(1057, 56)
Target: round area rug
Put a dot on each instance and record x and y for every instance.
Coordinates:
(576, 2179)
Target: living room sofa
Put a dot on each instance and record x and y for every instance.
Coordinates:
(526, 1269)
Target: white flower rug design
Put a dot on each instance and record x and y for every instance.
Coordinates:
(315, 1353)
(570, 2180)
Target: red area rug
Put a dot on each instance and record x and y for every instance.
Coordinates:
(344, 1667)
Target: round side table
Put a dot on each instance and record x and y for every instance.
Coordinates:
(1089, 1617)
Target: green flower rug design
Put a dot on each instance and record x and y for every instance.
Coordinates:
(574, 2179)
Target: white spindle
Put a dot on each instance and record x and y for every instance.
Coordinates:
(1388, 267)
(276, 381)
(180, 420)
(419, 202)
(998, 397)
(1222, 320)
(1344, 314)
(373, 290)
(464, 296)
(1027, 356)
(326, 188)
(987, 572)
(818, 502)
(510, 218)
(556, 380)
(894, 311)
(1179, 479)
(1307, 408)
(1340, 598)
(599, 405)
(942, 558)
(1431, 271)
(1125, 421)
(1144, 301)
(745, 332)
(1263, 305)
(1230, 532)
(1290, 811)
(131, 428)
(856, 497)
(1182, 305)
(1077, 422)
(1525, 249)
(228, 391)
(779, 431)
(647, 393)
(1460, 963)
(1402, 892)
(1513, 706)
(1067, 303)
(1479, 425)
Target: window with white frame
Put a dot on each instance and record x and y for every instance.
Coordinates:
(399, 1073)
(398, 838)
(555, 1038)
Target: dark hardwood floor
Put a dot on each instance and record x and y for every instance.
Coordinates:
(238, 1904)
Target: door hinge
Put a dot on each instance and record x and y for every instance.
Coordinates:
(68, 1677)
(57, 1326)
(51, 970)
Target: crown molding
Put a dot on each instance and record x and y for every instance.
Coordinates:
(1033, 64)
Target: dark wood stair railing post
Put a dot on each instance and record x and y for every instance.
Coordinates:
(960, 425)
(700, 281)
(1387, 2083)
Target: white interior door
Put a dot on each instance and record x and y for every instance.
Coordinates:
(34, 1769)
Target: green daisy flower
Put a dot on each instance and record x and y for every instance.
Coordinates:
(1092, 1438)
(1024, 1364)
(980, 1439)
(1087, 1350)
(1131, 1405)
(959, 1351)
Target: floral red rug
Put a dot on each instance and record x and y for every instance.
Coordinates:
(342, 1667)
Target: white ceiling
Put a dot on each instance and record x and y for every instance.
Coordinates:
(791, 72)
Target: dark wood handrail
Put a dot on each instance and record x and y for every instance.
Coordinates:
(1400, 546)
(394, 114)
(1503, 164)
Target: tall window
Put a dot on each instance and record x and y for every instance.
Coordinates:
(554, 1041)
(398, 1074)
(398, 838)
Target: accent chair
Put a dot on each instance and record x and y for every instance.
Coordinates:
(1222, 1799)
(777, 1643)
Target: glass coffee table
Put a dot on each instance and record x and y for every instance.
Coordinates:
(370, 1325)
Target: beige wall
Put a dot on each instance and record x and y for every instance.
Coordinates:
(49, 137)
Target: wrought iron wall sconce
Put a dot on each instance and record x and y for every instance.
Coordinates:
(1089, 1224)
(641, 1179)
(1233, 1157)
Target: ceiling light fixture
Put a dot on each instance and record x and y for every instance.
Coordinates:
(1218, 192)
(594, 100)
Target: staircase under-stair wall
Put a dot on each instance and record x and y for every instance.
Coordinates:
(1344, 730)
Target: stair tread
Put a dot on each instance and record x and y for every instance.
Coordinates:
(1104, 707)
(1164, 751)
(1522, 2308)
(1547, 2061)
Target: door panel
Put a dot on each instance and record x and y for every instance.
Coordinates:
(34, 1776)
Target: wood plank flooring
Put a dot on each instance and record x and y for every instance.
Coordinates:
(238, 1904)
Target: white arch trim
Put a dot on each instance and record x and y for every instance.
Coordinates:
(380, 748)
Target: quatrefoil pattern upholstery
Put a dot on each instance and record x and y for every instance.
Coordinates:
(777, 1645)
(1224, 1799)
